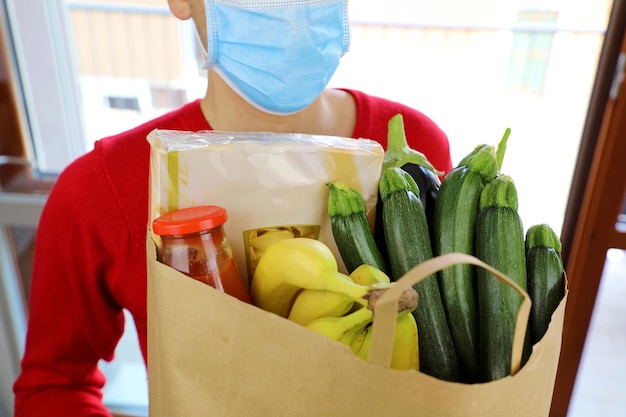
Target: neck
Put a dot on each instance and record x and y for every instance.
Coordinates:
(332, 113)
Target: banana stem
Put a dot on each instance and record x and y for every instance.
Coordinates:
(359, 293)
(367, 295)
(407, 302)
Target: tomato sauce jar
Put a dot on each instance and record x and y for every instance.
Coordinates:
(193, 242)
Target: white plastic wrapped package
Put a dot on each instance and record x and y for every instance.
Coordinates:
(268, 182)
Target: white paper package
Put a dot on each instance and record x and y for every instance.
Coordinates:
(268, 182)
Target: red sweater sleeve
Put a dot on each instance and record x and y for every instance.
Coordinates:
(90, 258)
(74, 320)
(89, 265)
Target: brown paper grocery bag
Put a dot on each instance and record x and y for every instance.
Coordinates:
(212, 355)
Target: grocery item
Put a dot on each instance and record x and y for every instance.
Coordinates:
(336, 327)
(408, 244)
(400, 155)
(351, 228)
(291, 265)
(499, 243)
(398, 152)
(546, 278)
(193, 242)
(367, 275)
(314, 304)
(428, 183)
(257, 240)
(454, 226)
(273, 184)
(405, 354)
(405, 350)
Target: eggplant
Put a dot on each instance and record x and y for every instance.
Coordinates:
(428, 183)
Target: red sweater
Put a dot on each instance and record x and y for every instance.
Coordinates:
(90, 256)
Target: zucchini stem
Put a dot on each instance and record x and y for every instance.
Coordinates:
(502, 148)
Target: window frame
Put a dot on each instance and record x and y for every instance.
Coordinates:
(46, 76)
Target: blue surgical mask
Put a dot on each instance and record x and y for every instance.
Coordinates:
(277, 55)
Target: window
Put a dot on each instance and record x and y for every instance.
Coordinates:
(83, 61)
(123, 103)
(129, 56)
(531, 50)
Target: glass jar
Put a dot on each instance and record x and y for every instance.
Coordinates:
(193, 242)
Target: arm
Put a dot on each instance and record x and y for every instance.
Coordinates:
(74, 319)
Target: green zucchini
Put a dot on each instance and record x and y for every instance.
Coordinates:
(408, 244)
(400, 154)
(351, 229)
(499, 243)
(454, 226)
(546, 279)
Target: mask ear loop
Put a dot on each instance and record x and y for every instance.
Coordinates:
(345, 41)
(262, 4)
(212, 34)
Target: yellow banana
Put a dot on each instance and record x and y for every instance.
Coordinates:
(313, 304)
(368, 275)
(291, 265)
(405, 353)
(355, 338)
(336, 328)
(364, 274)
(405, 350)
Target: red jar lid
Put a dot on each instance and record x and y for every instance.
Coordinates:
(189, 220)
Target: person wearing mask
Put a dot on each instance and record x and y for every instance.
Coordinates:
(269, 63)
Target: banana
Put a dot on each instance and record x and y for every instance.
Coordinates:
(366, 274)
(355, 338)
(313, 304)
(405, 353)
(291, 265)
(362, 348)
(336, 328)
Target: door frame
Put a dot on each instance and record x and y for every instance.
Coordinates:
(596, 199)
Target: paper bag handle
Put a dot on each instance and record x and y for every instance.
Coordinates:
(385, 311)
